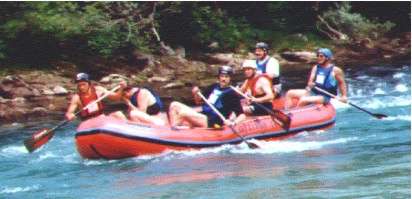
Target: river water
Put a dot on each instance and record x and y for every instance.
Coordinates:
(360, 157)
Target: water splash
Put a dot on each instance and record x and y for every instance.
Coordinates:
(270, 147)
(401, 88)
(398, 117)
(9, 190)
(13, 150)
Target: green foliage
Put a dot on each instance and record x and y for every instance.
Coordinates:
(354, 24)
(110, 28)
(215, 26)
(310, 41)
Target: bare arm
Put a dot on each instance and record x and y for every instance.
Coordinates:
(340, 77)
(74, 104)
(113, 96)
(198, 100)
(311, 80)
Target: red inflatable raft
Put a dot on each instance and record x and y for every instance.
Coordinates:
(105, 137)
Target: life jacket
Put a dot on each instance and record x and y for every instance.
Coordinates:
(262, 68)
(133, 98)
(93, 110)
(215, 98)
(325, 80)
(251, 83)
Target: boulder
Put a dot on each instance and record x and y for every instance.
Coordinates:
(219, 58)
(299, 56)
(113, 78)
(59, 90)
(13, 86)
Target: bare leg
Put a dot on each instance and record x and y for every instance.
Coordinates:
(180, 113)
(139, 116)
(118, 115)
(310, 100)
(293, 94)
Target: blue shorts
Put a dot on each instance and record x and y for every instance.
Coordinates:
(326, 99)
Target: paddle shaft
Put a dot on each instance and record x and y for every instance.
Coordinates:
(260, 105)
(247, 97)
(354, 105)
(251, 145)
(40, 136)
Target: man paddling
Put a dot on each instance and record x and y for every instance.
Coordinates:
(259, 88)
(220, 95)
(268, 65)
(324, 75)
(86, 94)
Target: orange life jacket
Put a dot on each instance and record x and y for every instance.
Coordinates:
(251, 83)
(86, 99)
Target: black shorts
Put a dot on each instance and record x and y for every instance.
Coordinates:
(257, 110)
(154, 109)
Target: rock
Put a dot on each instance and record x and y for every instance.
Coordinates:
(174, 85)
(113, 78)
(14, 86)
(219, 58)
(47, 91)
(158, 79)
(51, 107)
(300, 36)
(59, 90)
(18, 100)
(141, 59)
(299, 56)
(213, 46)
(180, 51)
(39, 111)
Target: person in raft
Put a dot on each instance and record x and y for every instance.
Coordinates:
(324, 75)
(86, 94)
(144, 105)
(226, 101)
(258, 87)
(269, 66)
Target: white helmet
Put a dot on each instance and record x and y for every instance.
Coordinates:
(249, 64)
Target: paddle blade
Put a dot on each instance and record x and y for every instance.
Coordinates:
(38, 139)
(252, 145)
(379, 116)
(283, 118)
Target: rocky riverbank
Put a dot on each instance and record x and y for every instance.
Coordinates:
(30, 94)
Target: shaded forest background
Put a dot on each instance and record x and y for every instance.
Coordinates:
(36, 33)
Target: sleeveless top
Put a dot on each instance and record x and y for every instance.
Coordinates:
(93, 110)
(262, 67)
(325, 80)
(157, 105)
(251, 83)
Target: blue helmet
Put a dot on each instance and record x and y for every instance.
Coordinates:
(325, 52)
(82, 77)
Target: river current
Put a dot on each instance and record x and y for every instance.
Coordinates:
(360, 157)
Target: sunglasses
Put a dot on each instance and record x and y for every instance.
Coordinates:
(320, 55)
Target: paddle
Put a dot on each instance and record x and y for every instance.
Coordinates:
(377, 115)
(281, 117)
(41, 137)
(249, 144)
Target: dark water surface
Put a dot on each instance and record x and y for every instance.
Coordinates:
(360, 157)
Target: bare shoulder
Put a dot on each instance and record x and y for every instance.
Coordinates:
(75, 98)
(337, 70)
(262, 81)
